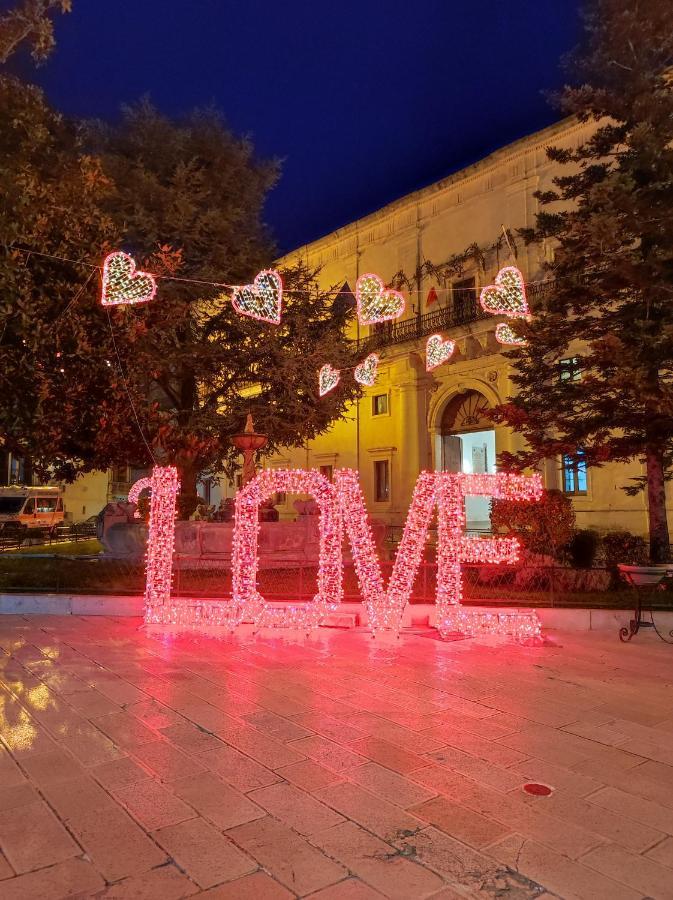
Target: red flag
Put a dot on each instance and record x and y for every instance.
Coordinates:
(432, 297)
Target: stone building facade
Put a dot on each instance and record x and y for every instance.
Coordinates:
(411, 419)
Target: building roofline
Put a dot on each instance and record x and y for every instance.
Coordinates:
(395, 206)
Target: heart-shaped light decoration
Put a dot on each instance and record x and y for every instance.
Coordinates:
(262, 299)
(122, 283)
(376, 303)
(438, 351)
(507, 297)
(505, 335)
(328, 378)
(365, 373)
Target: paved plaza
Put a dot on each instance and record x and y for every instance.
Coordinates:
(146, 765)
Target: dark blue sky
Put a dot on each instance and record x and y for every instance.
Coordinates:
(364, 100)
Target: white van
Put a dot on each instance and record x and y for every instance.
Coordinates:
(31, 507)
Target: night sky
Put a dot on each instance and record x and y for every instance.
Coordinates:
(364, 101)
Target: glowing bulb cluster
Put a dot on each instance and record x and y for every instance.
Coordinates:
(123, 284)
(342, 507)
(454, 548)
(507, 297)
(438, 351)
(504, 334)
(365, 373)
(375, 302)
(328, 378)
(159, 558)
(245, 559)
(136, 490)
(522, 625)
(261, 300)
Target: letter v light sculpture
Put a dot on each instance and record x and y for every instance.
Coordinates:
(385, 607)
(447, 491)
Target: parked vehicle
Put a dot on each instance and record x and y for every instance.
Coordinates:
(33, 508)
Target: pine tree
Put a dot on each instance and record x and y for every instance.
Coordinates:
(610, 221)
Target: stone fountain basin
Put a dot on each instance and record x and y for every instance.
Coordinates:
(286, 542)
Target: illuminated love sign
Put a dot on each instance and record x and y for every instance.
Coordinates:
(342, 511)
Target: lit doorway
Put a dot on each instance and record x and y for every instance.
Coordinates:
(468, 445)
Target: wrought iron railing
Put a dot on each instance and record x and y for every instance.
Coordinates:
(463, 313)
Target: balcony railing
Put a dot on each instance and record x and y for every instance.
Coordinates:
(463, 312)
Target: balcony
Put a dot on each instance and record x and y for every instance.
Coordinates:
(389, 333)
(463, 312)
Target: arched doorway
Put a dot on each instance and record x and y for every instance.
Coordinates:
(468, 445)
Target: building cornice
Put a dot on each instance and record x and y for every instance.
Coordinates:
(539, 140)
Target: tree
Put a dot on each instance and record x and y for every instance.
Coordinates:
(610, 303)
(30, 22)
(172, 380)
(544, 526)
(50, 331)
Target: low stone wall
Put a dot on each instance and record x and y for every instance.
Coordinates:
(281, 544)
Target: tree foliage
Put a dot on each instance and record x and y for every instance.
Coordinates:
(545, 526)
(611, 300)
(82, 387)
(30, 22)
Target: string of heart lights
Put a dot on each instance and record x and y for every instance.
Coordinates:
(342, 509)
(506, 297)
(261, 300)
(375, 302)
(364, 373)
(123, 283)
(504, 334)
(438, 351)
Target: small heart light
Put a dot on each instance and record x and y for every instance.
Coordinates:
(507, 297)
(262, 299)
(437, 351)
(328, 378)
(365, 373)
(505, 335)
(123, 284)
(376, 303)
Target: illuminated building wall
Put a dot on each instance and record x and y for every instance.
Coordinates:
(413, 419)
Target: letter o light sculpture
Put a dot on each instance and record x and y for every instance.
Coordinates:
(245, 559)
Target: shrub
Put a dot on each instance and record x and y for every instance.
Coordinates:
(624, 547)
(544, 527)
(583, 548)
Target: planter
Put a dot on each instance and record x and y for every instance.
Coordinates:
(643, 575)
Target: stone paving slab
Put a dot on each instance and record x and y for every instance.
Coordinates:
(136, 764)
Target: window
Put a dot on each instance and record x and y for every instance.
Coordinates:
(326, 472)
(46, 504)
(120, 474)
(464, 297)
(17, 473)
(570, 369)
(382, 481)
(29, 508)
(380, 405)
(575, 474)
